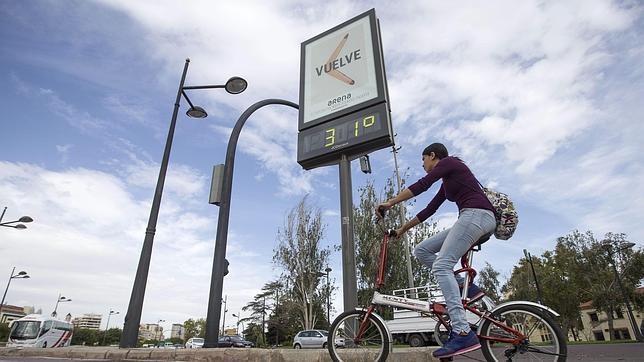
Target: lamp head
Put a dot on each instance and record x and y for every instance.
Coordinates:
(197, 112)
(20, 226)
(236, 85)
(25, 219)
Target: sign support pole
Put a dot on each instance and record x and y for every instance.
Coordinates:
(349, 281)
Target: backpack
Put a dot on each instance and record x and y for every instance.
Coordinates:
(507, 217)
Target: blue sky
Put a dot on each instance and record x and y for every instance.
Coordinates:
(541, 98)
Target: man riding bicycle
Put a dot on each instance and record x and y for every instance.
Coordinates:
(441, 252)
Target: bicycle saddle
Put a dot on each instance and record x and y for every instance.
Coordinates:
(482, 240)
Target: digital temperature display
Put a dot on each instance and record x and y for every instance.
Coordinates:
(353, 135)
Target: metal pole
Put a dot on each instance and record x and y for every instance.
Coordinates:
(53, 314)
(349, 283)
(8, 283)
(223, 323)
(410, 273)
(277, 327)
(107, 326)
(3, 211)
(328, 298)
(631, 318)
(218, 266)
(133, 315)
(534, 275)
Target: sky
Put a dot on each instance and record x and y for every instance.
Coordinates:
(542, 99)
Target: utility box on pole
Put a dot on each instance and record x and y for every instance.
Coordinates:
(216, 184)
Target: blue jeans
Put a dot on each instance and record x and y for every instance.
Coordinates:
(441, 252)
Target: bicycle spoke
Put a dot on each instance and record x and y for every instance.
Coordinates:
(543, 341)
(537, 350)
(373, 339)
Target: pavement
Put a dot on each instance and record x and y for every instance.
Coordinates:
(616, 352)
(211, 354)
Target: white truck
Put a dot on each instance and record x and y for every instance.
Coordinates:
(415, 328)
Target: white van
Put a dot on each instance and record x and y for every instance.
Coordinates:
(36, 330)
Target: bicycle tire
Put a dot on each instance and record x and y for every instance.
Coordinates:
(375, 338)
(548, 344)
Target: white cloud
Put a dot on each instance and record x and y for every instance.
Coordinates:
(86, 238)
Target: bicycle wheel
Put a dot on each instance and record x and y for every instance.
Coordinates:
(544, 339)
(343, 343)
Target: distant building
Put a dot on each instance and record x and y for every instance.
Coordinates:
(177, 331)
(88, 321)
(596, 323)
(150, 331)
(10, 313)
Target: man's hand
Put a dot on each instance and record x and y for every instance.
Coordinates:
(381, 208)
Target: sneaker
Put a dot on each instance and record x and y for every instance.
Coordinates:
(458, 344)
(474, 293)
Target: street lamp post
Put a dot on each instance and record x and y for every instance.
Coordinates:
(631, 318)
(223, 323)
(60, 299)
(277, 318)
(234, 85)
(20, 275)
(218, 265)
(108, 324)
(237, 325)
(24, 219)
(328, 297)
(156, 332)
(528, 256)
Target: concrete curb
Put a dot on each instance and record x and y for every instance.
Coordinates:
(420, 354)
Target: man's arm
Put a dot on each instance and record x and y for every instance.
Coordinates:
(404, 195)
(408, 225)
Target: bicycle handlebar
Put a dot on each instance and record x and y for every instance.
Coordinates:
(381, 211)
(389, 232)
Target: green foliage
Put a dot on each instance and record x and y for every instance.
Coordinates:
(488, 280)
(253, 333)
(112, 337)
(4, 332)
(87, 337)
(195, 328)
(581, 268)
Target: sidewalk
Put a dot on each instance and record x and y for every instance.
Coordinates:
(214, 354)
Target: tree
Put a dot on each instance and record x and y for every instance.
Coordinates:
(260, 306)
(111, 337)
(194, 328)
(302, 258)
(579, 270)
(253, 332)
(86, 337)
(489, 282)
(4, 331)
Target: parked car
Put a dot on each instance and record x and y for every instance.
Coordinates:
(165, 345)
(235, 341)
(195, 343)
(313, 338)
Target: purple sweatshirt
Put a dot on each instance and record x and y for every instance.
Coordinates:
(459, 185)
